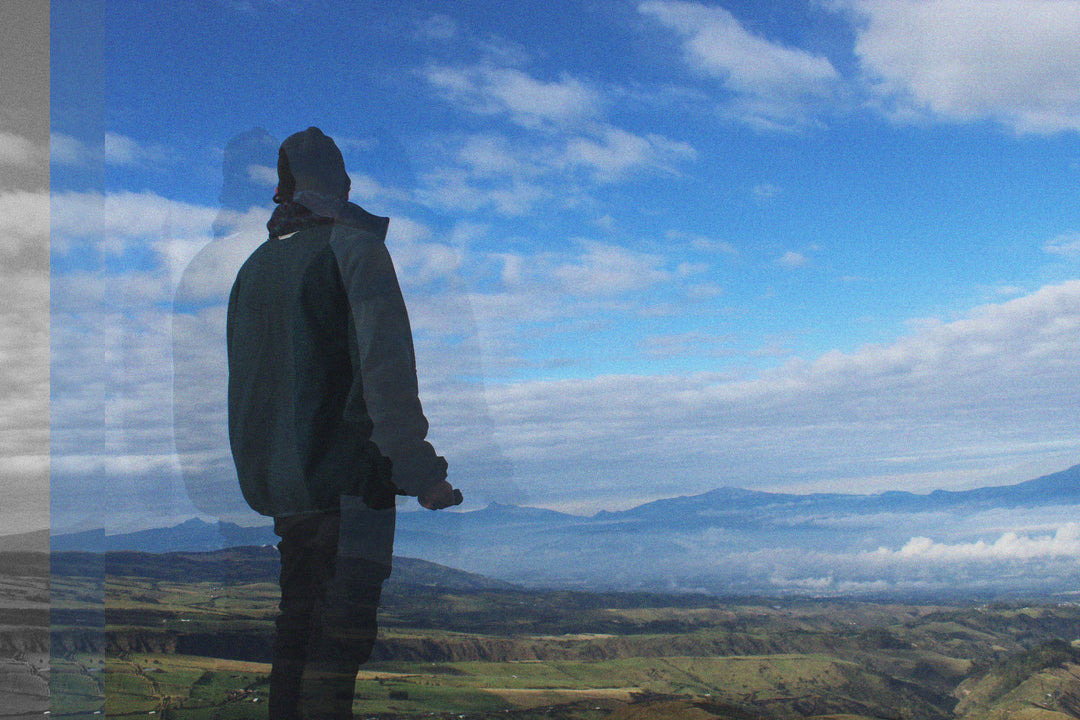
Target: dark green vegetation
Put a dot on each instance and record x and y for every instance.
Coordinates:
(187, 637)
(24, 635)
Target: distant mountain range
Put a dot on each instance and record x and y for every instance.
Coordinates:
(193, 535)
(731, 540)
(37, 541)
(243, 564)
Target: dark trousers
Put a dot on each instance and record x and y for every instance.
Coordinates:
(327, 622)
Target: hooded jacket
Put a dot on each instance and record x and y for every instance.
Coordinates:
(322, 373)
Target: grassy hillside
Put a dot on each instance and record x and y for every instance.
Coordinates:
(195, 645)
(24, 634)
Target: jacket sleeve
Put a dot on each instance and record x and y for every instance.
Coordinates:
(385, 384)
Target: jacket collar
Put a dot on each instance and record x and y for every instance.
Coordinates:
(344, 212)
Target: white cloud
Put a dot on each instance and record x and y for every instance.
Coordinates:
(24, 216)
(67, 150)
(18, 151)
(609, 270)
(490, 172)
(568, 144)
(1013, 61)
(489, 156)
(1067, 245)
(766, 191)
(118, 345)
(113, 150)
(263, 174)
(947, 400)
(1064, 542)
(453, 189)
(369, 193)
(24, 352)
(1010, 61)
(112, 365)
(525, 100)
(774, 86)
(1005, 550)
(112, 465)
(112, 221)
(208, 266)
(613, 153)
(123, 151)
(418, 259)
(702, 243)
(793, 259)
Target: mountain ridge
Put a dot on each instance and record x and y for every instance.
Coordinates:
(1060, 488)
(1020, 538)
(34, 541)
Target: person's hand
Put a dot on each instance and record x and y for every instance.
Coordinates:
(440, 495)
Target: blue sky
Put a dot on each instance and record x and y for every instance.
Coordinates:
(649, 247)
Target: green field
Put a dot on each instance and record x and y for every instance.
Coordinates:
(181, 646)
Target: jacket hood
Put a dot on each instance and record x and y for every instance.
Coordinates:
(316, 163)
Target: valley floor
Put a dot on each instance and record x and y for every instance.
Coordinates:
(171, 648)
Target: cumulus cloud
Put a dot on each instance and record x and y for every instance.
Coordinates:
(494, 156)
(570, 144)
(419, 259)
(112, 393)
(524, 99)
(835, 554)
(24, 215)
(1064, 542)
(457, 189)
(772, 85)
(112, 222)
(1013, 61)
(613, 153)
(111, 327)
(24, 349)
(488, 171)
(525, 298)
(24, 233)
(17, 151)
(609, 270)
(263, 175)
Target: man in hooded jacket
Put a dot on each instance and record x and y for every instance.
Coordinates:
(325, 421)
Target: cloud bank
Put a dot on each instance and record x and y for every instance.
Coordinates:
(944, 400)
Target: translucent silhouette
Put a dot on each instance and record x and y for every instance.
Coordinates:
(200, 374)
